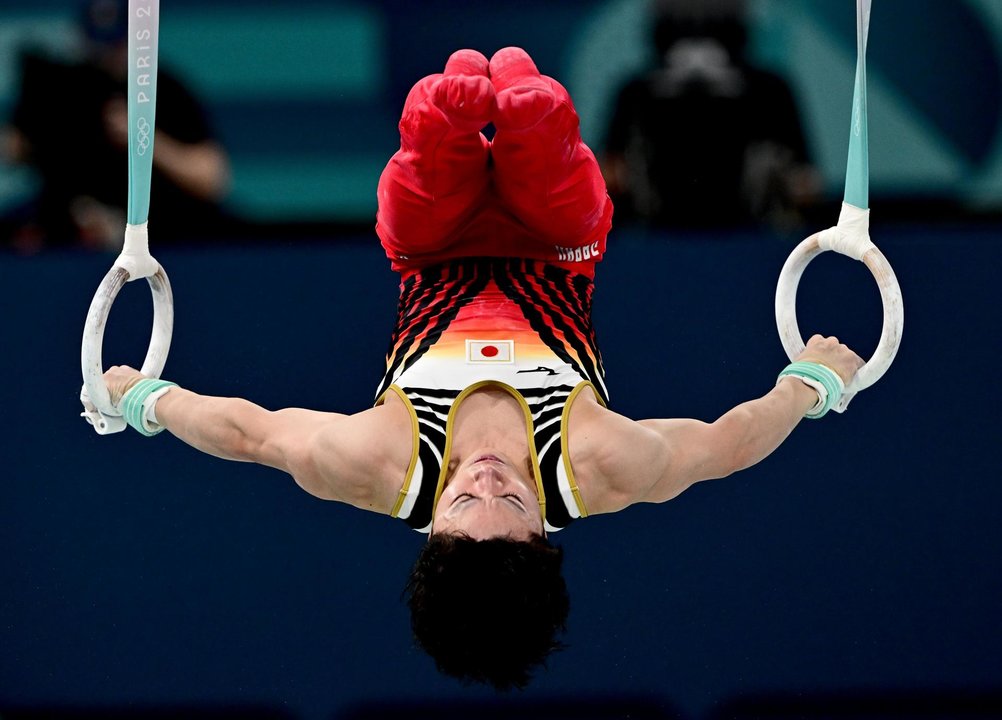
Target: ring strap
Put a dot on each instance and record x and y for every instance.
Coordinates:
(857, 176)
(144, 33)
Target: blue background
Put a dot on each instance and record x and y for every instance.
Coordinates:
(862, 556)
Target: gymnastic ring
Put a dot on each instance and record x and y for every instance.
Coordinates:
(107, 418)
(856, 245)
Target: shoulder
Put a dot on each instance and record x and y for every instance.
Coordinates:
(619, 462)
(616, 460)
(359, 459)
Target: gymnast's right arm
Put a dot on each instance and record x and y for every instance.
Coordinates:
(358, 459)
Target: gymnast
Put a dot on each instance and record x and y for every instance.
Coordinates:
(490, 428)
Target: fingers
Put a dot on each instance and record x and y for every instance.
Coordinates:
(819, 339)
(119, 379)
(121, 369)
(831, 343)
(834, 354)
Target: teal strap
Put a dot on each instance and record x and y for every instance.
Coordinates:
(823, 379)
(144, 26)
(132, 404)
(857, 174)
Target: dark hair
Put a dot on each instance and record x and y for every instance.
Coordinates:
(488, 610)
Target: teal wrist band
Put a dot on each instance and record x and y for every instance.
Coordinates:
(823, 379)
(133, 404)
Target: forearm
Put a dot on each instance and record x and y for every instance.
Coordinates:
(229, 428)
(200, 169)
(656, 460)
(756, 428)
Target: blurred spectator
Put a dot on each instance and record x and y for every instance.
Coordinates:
(70, 123)
(706, 139)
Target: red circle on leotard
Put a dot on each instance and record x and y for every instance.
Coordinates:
(488, 351)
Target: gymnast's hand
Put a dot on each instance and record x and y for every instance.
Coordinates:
(119, 379)
(830, 352)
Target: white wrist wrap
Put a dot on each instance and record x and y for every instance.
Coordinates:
(150, 406)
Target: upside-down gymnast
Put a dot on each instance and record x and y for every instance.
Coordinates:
(490, 428)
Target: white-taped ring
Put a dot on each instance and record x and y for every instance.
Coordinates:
(890, 294)
(93, 337)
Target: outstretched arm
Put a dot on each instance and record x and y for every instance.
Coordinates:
(693, 451)
(358, 459)
(656, 460)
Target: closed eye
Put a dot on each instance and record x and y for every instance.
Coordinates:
(516, 500)
(460, 497)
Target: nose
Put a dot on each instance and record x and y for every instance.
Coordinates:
(486, 472)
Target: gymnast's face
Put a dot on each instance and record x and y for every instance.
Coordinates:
(488, 496)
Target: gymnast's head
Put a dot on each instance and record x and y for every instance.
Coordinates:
(486, 595)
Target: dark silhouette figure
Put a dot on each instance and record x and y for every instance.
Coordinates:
(706, 139)
(70, 123)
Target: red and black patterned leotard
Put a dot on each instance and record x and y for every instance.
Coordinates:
(514, 324)
(496, 242)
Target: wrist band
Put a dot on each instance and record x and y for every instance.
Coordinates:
(823, 379)
(137, 404)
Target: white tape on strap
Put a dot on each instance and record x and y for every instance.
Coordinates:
(135, 256)
(851, 237)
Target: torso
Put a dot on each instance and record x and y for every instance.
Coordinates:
(489, 324)
(585, 419)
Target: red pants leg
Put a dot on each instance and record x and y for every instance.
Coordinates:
(544, 174)
(439, 179)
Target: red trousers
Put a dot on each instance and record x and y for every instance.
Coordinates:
(533, 192)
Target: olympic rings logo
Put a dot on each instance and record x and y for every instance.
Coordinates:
(143, 135)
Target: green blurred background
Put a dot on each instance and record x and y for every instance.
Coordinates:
(305, 95)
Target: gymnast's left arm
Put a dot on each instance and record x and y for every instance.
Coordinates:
(656, 460)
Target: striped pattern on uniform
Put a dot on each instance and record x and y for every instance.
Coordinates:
(546, 311)
(432, 409)
(555, 302)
